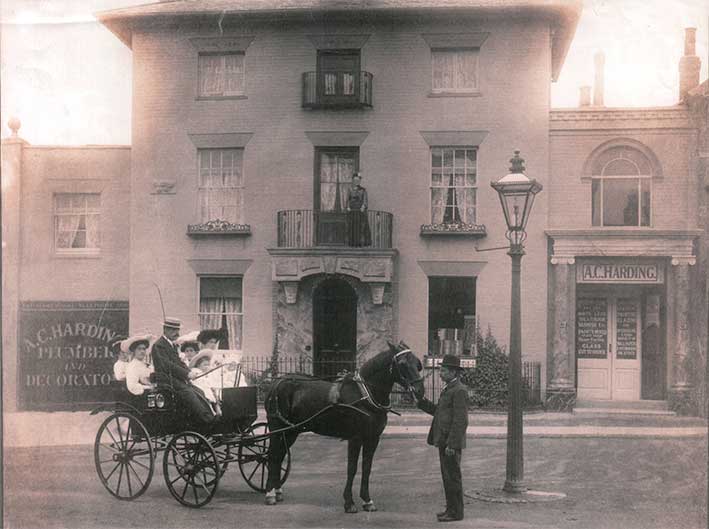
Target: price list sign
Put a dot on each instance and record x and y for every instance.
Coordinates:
(591, 328)
(626, 329)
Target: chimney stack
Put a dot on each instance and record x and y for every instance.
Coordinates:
(689, 64)
(585, 96)
(599, 61)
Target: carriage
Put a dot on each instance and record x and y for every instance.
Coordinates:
(140, 428)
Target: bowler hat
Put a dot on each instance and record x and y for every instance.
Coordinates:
(451, 361)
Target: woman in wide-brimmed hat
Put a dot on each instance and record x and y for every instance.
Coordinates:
(202, 363)
(138, 370)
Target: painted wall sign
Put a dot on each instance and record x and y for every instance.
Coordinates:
(619, 272)
(626, 338)
(591, 328)
(65, 358)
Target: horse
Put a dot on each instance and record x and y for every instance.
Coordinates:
(353, 408)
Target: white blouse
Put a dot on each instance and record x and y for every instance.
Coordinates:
(138, 376)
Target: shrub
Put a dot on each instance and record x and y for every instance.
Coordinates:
(488, 379)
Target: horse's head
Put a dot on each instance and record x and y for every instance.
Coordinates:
(407, 368)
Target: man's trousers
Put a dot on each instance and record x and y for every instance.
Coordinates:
(452, 481)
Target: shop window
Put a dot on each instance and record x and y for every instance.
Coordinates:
(451, 305)
(621, 188)
(453, 185)
(221, 185)
(77, 222)
(454, 70)
(221, 74)
(221, 307)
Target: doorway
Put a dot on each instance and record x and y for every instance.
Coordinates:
(334, 328)
(338, 76)
(608, 346)
(334, 168)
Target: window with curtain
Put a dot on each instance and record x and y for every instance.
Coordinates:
(221, 184)
(621, 188)
(455, 70)
(453, 185)
(221, 74)
(220, 307)
(77, 219)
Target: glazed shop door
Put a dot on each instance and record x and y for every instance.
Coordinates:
(608, 347)
(334, 328)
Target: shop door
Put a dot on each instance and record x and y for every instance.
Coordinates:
(608, 348)
(334, 328)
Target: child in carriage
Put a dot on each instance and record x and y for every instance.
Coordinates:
(119, 368)
(204, 379)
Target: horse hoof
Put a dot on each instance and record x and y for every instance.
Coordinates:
(350, 509)
(270, 500)
(279, 496)
(369, 506)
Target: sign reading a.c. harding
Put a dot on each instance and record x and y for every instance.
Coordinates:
(65, 358)
(620, 272)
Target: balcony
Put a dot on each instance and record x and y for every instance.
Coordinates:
(337, 89)
(305, 228)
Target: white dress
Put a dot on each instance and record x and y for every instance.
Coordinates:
(137, 375)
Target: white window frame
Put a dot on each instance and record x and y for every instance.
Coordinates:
(85, 211)
(456, 89)
(602, 178)
(446, 187)
(201, 313)
(222, 56)
(238, 187)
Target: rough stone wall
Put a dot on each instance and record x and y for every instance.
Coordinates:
(294, 323)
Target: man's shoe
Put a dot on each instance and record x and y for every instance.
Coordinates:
(449, 518)
(442, 513)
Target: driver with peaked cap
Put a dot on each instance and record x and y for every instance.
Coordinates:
(171, 371)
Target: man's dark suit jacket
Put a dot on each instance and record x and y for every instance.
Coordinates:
(169, 369)
(450, 416)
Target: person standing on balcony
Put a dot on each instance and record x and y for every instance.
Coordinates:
(357, 222)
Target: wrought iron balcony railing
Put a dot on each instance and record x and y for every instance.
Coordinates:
(337, 89)
(305, 228)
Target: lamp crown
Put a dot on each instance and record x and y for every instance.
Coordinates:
(517, 163)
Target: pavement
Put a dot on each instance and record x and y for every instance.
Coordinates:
(27, 429)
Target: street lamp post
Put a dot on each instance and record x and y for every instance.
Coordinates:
(517, 193)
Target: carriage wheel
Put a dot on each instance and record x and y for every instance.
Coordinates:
(191, 469)
(124, 456)
(253, 458)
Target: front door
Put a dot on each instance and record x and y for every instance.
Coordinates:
(608, 347)
(333, 180)
(334, 328)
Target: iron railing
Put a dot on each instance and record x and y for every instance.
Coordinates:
(298, 228)
(337, 89)
(259, 370)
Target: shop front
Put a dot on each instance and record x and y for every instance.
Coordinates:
(619, 307)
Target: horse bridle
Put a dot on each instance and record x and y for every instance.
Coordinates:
(394, 364)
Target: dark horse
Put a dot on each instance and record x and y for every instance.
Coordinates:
(353, 408)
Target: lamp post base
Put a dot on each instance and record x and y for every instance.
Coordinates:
(514, 487)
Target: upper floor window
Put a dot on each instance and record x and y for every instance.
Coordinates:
(454, 70)
(220, 307)
(453, 185)
(221, 184)
(221, 74)
(621, 188)
(77, 218)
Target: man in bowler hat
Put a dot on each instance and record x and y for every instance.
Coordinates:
(450, 420)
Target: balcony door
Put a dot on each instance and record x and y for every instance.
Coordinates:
(338, 76)
(334, 168)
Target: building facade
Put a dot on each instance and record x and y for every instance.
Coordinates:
(249, 124)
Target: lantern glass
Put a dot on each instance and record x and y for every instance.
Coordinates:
(517, 193)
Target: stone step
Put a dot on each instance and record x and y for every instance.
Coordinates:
(622, 411)
(659, 405)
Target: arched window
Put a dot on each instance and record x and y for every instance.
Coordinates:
(621, 188)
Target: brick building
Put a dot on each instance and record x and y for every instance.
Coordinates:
(249, 122)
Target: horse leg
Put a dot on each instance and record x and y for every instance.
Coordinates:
(369, 446)
(353, 448)
(288, 440)
(276, 453)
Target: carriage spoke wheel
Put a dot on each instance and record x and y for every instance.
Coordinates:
(124, 456)
(191, 469)
(253, 458)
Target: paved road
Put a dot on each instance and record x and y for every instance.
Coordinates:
(609, 483)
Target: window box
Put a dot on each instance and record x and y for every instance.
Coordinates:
(218, 227)
(458, 229)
